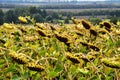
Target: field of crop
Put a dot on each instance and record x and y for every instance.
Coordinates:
(81, 10)
(44, 51)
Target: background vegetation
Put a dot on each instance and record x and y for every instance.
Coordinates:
(60, 13)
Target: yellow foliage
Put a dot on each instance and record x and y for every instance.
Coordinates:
(111, 62)
(8, 26)
(22, 19)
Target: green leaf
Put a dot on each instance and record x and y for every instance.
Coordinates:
(32, 73)
(15, 77)
(37, 76)
(109, 78)
(2, 63)
(42, 52)
(58, 68)
(72, 69)
(96, 61)
(15, 48)
(83, 71)
(82, 78)
(1, 78)
(95, 77)
(10, 69)
(110, 43)
(118, 42)
(26, 75)
(52, 74)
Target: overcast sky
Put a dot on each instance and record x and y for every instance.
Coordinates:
(71, 0)
(91, 0)
(53, 0)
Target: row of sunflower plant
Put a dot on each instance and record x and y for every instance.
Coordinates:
(44, 51)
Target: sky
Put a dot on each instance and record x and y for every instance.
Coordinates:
(54, 0)
(91, 0)
(73, 0)
(84, 0)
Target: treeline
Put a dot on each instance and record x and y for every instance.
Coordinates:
(36, 13)
(42, 15)
(62, 6)
(72, 6)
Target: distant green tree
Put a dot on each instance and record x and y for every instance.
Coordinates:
(55, 15)
(114, 19)
(69, 16)
(33, 10)
(21, 11)
(95, 20)
(38, 17)
(49, 18)
(10, 16)
(66, 20)
(44, 13)
(1, 17)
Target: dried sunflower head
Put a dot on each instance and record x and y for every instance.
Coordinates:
(84, 44)
(94, 48)
(72, 57)
(86, 24)
(35, 67)
(111, 62)
(30, 38)
(53, 28)
(75, 21)
(22, 19)
(79, 33)
(40, 26)
(107, 25)
(41, 32)
(61, 38)
(19, 58)
(93, 32)
(102, 31)
(86, 58)
(8, 26)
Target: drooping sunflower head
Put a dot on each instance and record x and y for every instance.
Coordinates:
(111, 62)
(93, 32)
(35, 67)
(72, 58)
(107, 25)
(19, 58)
(22, 19)
(86, 24)
(95, 48)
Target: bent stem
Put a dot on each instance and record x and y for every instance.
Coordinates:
(116, 75)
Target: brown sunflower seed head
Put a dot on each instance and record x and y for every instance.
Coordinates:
(102, 31)
(86, 24)
(35, 67)
(75, 21)
(94, 48)
(40, 26)
(93, 32)
(19, 58)
(85, 44)
(41, 32)
(72, 58)
(107, 25)
(110, 62)
(61, 38)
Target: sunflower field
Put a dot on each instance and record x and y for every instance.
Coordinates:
(46, 51)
